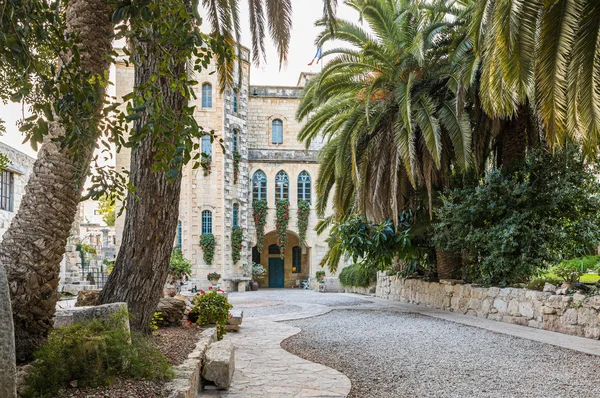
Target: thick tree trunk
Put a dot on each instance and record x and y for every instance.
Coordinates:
(448, 264)
(8, 388)
(32, 247)
(142, 264)
(514, 139)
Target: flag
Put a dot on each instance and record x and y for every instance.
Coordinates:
(317, 56)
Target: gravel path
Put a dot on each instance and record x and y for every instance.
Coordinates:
(393, 354)
(270, 310)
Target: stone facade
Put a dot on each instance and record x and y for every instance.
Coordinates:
(20, 167)
(257, 107)
(576, 315)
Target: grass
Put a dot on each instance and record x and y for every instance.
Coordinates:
(588, 279)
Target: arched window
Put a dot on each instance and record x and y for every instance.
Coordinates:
(207, 95)
(206, 146)
(277, 131)
(304, 192)
(274, 249)
(235, 219)
(235, 96)
(282, 186)
(235, 141)
(259, 186)
(296, 260)
(179, 234)
(206, 222)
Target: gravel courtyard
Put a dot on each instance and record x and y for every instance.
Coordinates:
(387, 353)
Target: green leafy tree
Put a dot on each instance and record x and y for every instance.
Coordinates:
(106, 207)
(180, 268)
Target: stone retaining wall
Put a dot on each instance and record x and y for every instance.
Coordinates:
(368, 291)
(577, 315)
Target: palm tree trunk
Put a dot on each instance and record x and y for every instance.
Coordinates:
(142, 264)
(32, 247)
(514, 139)
(448, 264)
(8, 369)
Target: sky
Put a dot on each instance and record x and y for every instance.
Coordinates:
(301, 52)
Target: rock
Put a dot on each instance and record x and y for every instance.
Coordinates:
(219, 364)
(69, 316)
(234, 321)
(171, 310)
(21, 380)
(562, 291)
(86, 298)
(578, 298)
(550, 288)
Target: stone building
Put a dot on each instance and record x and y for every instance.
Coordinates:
(258, 122)
(12, 183)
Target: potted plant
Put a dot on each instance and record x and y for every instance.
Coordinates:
(257, 272)
(214, 277)
(179, 270)
(320, 275)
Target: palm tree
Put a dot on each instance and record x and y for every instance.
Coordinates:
(33, 245)
(545, 53)
(388, 110)
(141, 268)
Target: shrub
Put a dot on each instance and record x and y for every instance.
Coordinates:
(512, 226)
(179, 268)
(320, 275)
(207, 244)
(211, 308)
(568, 271)
(585, 263)
(94, 353)
(357, 275)
(538, 282)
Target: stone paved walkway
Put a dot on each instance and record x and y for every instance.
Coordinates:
(262, 367)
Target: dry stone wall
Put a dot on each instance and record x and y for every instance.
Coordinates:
(576, 315)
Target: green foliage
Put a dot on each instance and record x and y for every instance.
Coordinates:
(212, 308)
(513, 226)
(85, 248)
(180, 268)
(237, 236)
(303, 214)
(213, 275)
(237, 157)
(358, 275)
(207, 244)
(4, 162)
(282, 218)
(320, 275)
(259, 213)
(568, 271)
(106, 207)
(584, 263)
(256, 270)
(156, 318)
(538, 282)
(94, 354)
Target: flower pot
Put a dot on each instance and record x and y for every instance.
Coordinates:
(214, 282)
(254, 286)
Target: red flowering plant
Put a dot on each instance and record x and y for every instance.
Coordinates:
(282, 218)
(303, 214)
(213, 275)
(237, 236)
(259, 213)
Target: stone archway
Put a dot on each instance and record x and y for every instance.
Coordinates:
(289, 271)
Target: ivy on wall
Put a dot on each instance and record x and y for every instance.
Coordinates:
(303, 213)
(237, 235)
(282, 218)
(237, 157)
(208, 243)
(259, 213)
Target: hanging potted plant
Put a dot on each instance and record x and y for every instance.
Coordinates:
(214, 277)
(259, 213)
(281, 223)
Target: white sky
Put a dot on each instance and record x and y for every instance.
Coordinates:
(302, 49)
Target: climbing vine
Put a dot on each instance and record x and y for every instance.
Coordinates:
(208, 243)
(259, 213)
(206, 163)
(281, 223)
(237, 235)
(236, 166)
(303, 213)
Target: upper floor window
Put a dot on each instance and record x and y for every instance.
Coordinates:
(277, 131)
(7, 190)
(235, 98)
(304, 192)
(179, 234)
(235, 141)
(296, 260)
(206, 222)
(259, 186)
(235, 219)
(207, 95)
(274, 249)
(282, 186)
(206, 146)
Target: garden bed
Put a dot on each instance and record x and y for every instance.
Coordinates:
(175, 343)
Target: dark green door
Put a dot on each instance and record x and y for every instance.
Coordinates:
(275, 272)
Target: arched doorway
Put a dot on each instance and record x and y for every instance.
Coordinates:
(287, 270)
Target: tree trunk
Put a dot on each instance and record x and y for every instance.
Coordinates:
(448, 264)
(8, 369)
(514, 139)
(32, 247)
(142, 264)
